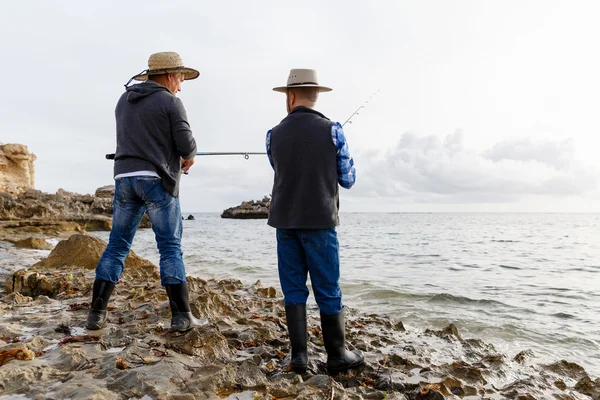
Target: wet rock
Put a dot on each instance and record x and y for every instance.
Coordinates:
(519, 389)
(560, 384)
(453, 386)
(319, 381)
(137, 384)
(17, 298)
(465, 371)
(568, 369)
(523, 356)
(33, 243)
(589, 387)
(116, 338)
(400, 362)
(399, 326)
(348, 381)
(370, 394)
(386, 383)
(282, 387)
(493, 360)
(429, 393)
(72, 358)
(211, 377)
(191, 217)
(205, 342)
(81, 389)
(249, 376)
(449, 332)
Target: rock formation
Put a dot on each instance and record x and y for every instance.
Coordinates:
(249, 210)
(16, 169)
(243, 352)
(65, 268)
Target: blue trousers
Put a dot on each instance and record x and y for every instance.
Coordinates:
(133, 197)
(314, 251)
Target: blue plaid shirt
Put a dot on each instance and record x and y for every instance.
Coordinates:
(345, 164)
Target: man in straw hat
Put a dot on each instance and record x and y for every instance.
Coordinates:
(310, 157)
(154, 145)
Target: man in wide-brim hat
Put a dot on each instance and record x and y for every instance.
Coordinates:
(310, 157)
(154, 145)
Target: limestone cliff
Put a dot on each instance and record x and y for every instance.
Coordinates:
(16, 169)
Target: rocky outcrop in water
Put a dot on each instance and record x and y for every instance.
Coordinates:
(16, 169)
(249, 210)
(243, 352)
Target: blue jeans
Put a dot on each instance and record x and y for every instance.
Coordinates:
(134, 196)
(314, 251)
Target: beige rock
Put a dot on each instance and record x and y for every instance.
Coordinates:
(105, 192)
(84, 251)
(16, 168)
(16, 298)
(33, 243)
(61, 271)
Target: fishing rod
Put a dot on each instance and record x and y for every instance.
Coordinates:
(359, 108)
(247, 154)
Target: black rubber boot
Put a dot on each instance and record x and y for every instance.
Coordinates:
(296, 324)
(182, 319)
(334, 336)
(100, 296)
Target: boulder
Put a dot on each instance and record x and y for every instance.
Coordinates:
(16, 169)
(63, 270)
(84, 251)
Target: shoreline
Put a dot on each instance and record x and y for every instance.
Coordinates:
(246, 349)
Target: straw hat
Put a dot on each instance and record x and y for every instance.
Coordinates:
(302, 78)
(166, 62)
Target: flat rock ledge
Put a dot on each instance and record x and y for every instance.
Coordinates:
(52, 214)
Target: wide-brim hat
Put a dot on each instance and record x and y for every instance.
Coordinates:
(166, 62)
(302, 78)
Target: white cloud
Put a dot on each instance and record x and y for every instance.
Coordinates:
(432, 170)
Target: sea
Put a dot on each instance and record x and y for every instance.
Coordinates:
(517, 281)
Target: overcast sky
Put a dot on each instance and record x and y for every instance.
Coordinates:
(482, 105)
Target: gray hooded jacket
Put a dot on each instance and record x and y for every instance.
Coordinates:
(153, 133)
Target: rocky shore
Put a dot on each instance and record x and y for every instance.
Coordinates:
(45, 353)
(249, 210)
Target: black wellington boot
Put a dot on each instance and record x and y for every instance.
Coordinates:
(100, 296)
(296, 324)
(182, 319)
(334, 336)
